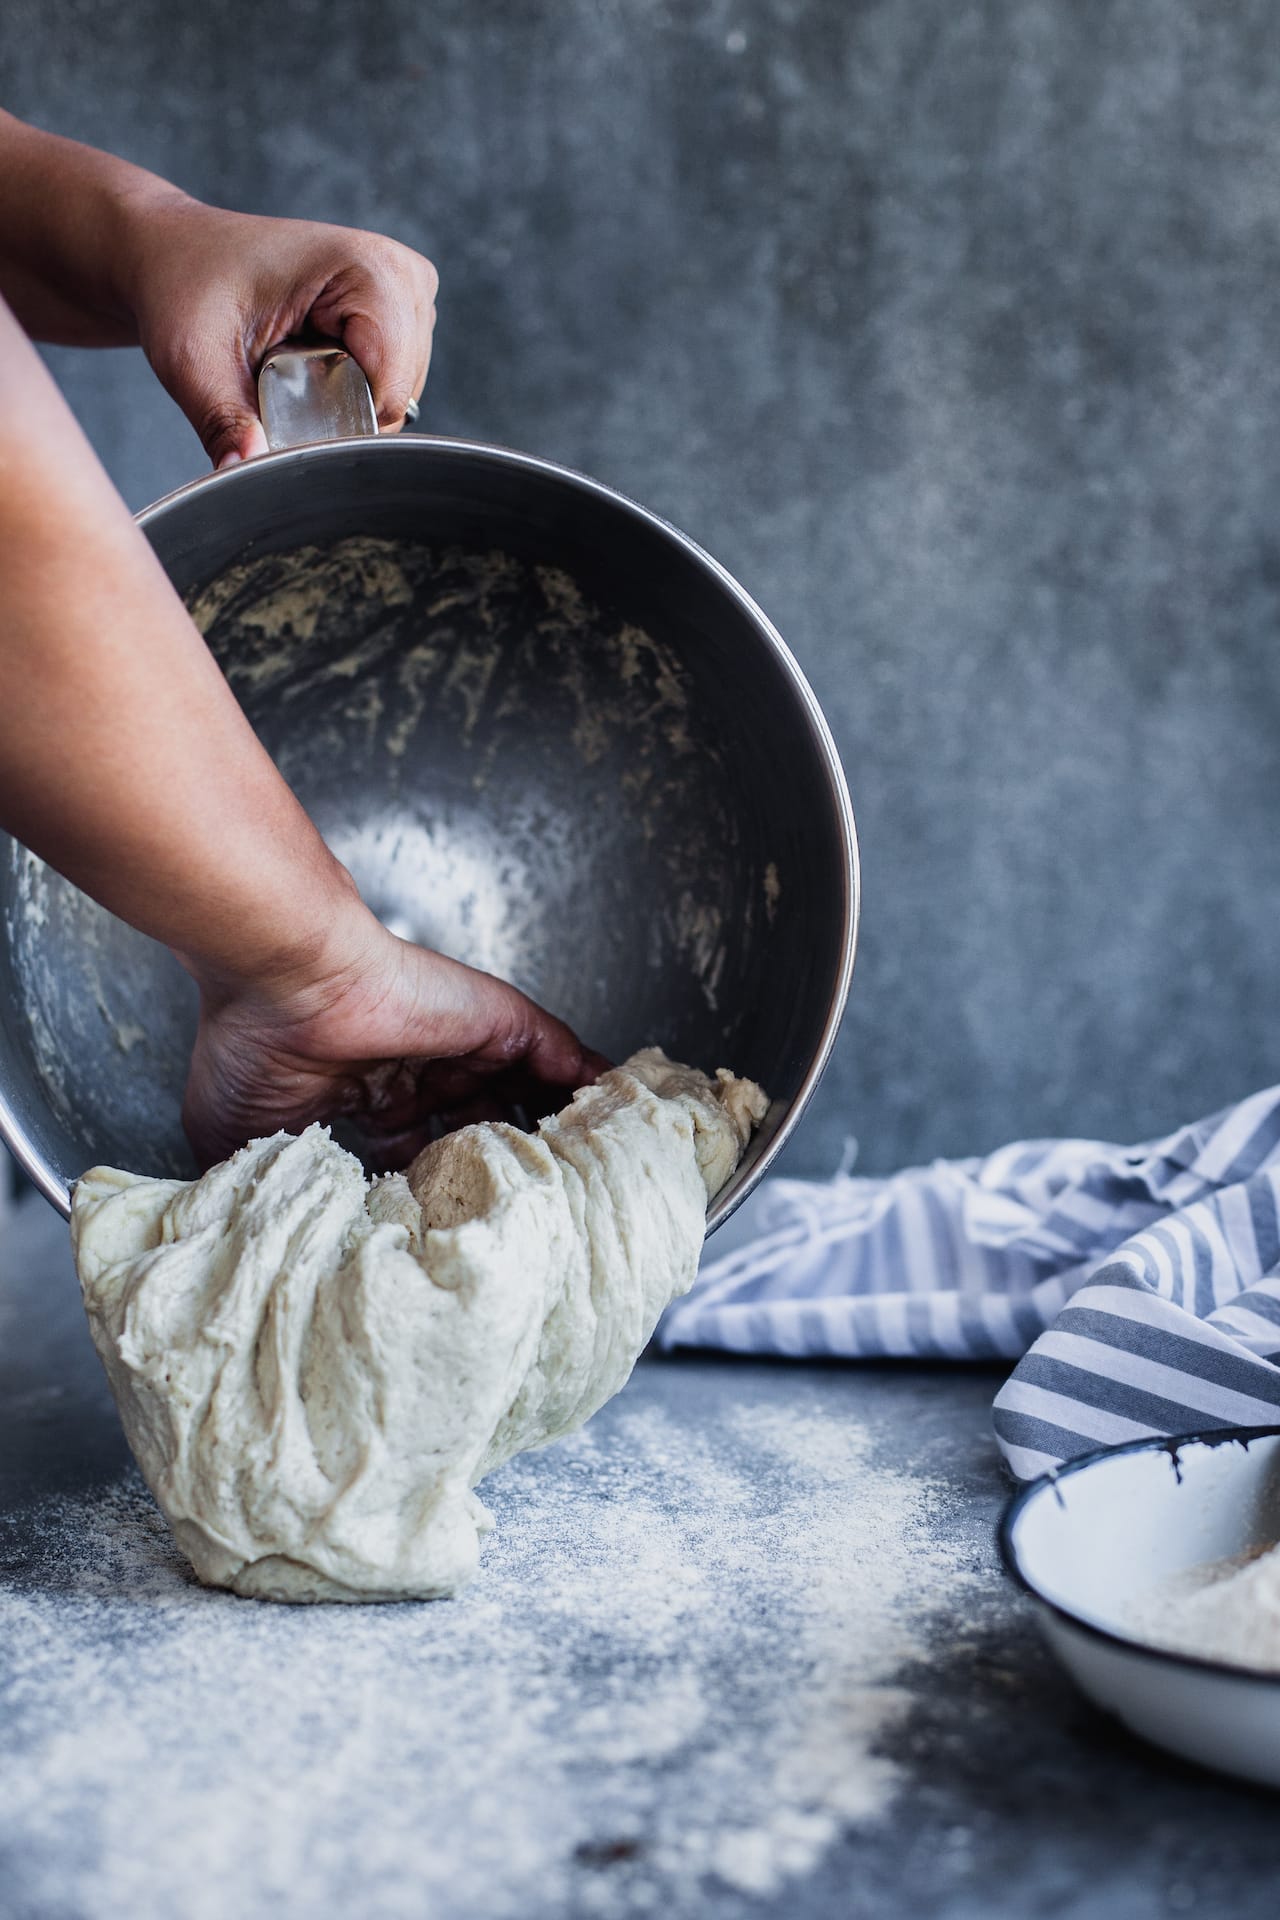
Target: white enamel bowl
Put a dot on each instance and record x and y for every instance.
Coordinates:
(1090, 1540)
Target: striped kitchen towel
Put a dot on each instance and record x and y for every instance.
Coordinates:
(1141, 1285)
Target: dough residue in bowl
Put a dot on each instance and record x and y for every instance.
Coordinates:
(314, 1373)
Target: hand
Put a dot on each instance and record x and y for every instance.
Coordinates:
(400, 1040)
(212, 292)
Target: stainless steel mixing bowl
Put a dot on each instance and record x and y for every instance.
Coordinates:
(546, 732)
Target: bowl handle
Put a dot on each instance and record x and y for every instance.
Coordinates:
(313, 392)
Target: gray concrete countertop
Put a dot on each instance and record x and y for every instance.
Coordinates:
(742, 1648)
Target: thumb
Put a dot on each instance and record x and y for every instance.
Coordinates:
(250, 440)
(229, 426)
(216, 389)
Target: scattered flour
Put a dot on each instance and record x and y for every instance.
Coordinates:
(675, 1678)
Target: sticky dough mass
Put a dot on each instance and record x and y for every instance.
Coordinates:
(314, 1373)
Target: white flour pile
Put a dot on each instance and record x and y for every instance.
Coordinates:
(313, 1374)
(1226, 1610)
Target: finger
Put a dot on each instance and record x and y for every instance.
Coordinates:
(411, 414)
(386, 351)
(427, 282)
(527, 1037)
(384, 315)
(424, 367)
(461, 1018)
(212, 382)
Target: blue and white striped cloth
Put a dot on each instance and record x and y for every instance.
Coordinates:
(1141, 1286)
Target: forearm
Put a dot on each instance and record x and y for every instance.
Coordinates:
(69, 220)
(124, 758)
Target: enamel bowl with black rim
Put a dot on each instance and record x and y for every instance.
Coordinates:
(1091, 1543)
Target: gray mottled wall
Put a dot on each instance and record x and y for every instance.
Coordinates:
(954, 330)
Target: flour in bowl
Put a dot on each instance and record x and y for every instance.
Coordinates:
(1227, 1610)
(314, 1373)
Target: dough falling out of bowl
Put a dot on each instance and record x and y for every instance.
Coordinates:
(314, 1372)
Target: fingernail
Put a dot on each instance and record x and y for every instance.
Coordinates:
(229, 460)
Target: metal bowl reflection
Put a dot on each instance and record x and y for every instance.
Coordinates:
(546, 732)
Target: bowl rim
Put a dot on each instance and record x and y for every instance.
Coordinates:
(1172, 1444)
(411, 445)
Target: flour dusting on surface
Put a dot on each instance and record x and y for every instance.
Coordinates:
(689, 1643)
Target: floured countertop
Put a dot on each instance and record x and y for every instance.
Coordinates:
(740, 1648)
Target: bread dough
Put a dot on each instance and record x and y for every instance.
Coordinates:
(314, 1374)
